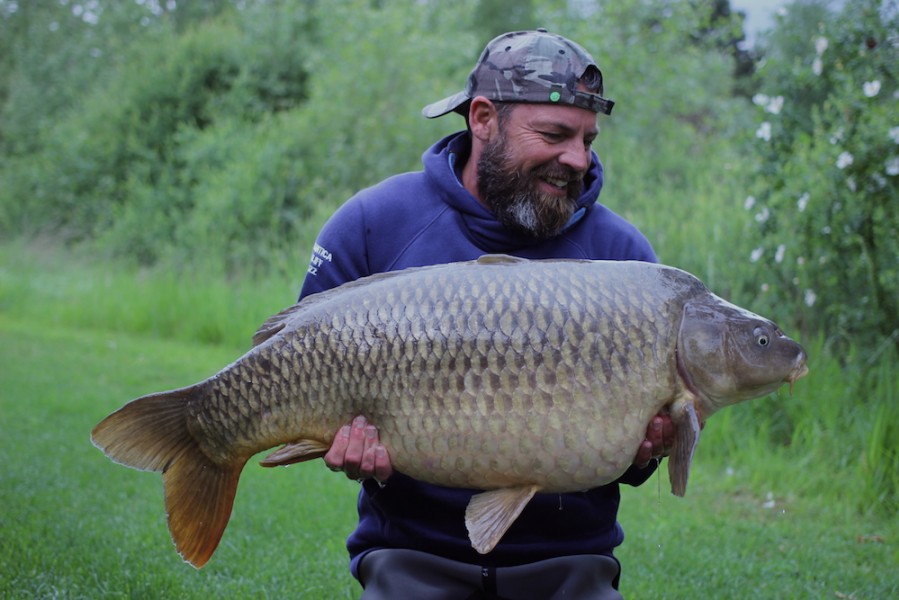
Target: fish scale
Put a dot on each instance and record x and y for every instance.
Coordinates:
(505, 375)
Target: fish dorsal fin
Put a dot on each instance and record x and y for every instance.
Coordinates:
(686, 422)
(499, 259)
(294, 452)
(274, 324)
(490, 514)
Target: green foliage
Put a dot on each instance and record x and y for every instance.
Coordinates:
(495, 17)
(213, 142)
(825, 204)
(667, 148)
(113, 169)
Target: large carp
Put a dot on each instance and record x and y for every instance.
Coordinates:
(502, 374)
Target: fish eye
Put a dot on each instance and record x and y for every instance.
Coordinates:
(761, 337)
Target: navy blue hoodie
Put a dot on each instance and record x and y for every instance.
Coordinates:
(425, 218)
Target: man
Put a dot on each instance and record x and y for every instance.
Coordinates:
(522, 180)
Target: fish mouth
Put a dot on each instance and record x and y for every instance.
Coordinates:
(800, 369)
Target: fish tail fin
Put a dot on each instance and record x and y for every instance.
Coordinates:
(199, 495)
(151, 434)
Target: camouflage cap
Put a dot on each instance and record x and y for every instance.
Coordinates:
(530, 66)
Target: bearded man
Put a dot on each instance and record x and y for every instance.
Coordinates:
(523, 180)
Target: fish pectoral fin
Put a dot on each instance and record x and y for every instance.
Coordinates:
(686, 439)
(490, 514)
(294, 452)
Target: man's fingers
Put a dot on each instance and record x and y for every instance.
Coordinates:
(335, 455)
(644, 454)
(358, 452)
(355, 449)
(668, 432)
(383, 468)
(659, 440)
(661, 435)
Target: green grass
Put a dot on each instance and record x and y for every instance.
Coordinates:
(790, 496)
(76, 525)
(75, 289)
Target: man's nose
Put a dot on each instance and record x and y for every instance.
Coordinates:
(575, 156)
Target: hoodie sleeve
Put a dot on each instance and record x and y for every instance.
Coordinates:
(340, 253)
(636, 476)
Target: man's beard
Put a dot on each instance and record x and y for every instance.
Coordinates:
(515, 198)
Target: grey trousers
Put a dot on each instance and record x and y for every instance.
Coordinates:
(401, 574)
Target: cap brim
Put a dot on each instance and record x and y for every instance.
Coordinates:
(445, 106)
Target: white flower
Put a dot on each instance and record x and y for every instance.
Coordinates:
(844, 160)
(894, 134)
(826, 230)
(749, 203)
(871, 88)
(802, 202)
(779, 255)
(775, 105)
(820, 45)
(756, 254)
(850, 183)
(765, 287)
(810, 298)
(837, 136)
(892, 166)
(762, 215)
(760, 99)
(764, 131)
(817, 66)
(800, 260)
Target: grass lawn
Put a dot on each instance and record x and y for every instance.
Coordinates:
(75, 525)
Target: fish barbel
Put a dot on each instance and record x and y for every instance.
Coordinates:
(505, 375)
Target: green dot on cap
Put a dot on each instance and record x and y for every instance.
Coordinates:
(555, 97)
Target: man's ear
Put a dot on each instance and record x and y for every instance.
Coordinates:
(483, 119)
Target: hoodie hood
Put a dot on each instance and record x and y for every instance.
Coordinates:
(443, 164)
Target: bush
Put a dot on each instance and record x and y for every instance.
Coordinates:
(112, 167)
(824, 212)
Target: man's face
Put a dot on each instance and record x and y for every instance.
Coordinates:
(531, 175)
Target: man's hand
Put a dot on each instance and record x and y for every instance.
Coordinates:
(358, 452)
(658, 442)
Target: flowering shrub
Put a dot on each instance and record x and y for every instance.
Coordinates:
(824, 210)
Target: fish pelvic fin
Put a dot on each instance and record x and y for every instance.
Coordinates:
(686, 420)
(295, 452)
(490, 514)
(151, 434)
